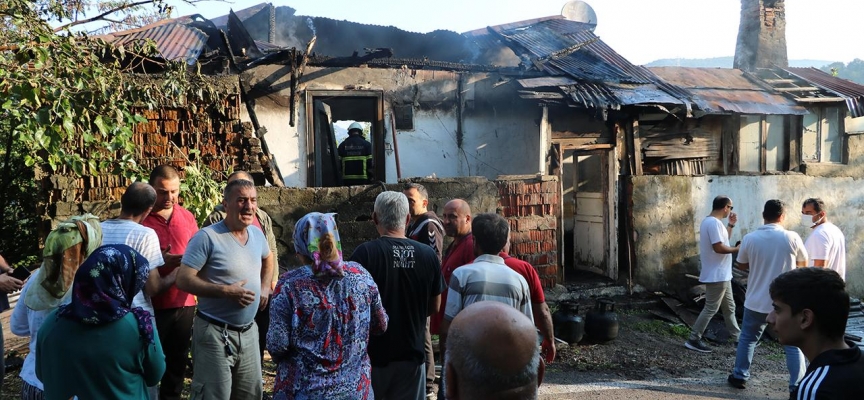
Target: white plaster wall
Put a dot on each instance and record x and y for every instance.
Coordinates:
(285, 142)
(844, 198)
(503, 144)
(501, 134)
(428, 149)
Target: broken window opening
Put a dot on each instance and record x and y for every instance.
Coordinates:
(821, 141)
(361, 159)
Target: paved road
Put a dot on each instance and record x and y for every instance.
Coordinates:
(706, 384)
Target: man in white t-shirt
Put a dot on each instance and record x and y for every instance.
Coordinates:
(126, 229)
(715, 255)
(766, 252)
(826, 245)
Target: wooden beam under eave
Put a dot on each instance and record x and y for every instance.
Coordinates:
(820, 99)
(576, 146)
(798, 89)
(778, 81)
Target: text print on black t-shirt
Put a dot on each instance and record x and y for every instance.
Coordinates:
(403, 256)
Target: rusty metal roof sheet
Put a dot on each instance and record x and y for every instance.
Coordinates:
(174, 39)
(852, 92)
(724, 91)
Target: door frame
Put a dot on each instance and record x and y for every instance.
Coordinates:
(377, 129)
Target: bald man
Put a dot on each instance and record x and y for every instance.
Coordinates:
(475, 366)
(457, 224)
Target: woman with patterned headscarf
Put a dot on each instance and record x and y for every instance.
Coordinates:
(98, 346)
(321, 316)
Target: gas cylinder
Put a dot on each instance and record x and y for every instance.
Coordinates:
(601, 323)
(568, 324)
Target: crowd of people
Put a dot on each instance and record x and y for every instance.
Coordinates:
(807, 307)
(126, 299)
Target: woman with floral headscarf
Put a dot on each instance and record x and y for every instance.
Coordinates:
(321, 316)
(98, 346)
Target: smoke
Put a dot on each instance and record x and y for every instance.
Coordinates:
(311, 25)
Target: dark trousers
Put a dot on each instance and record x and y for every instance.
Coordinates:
(262, 319)
(430, 360)
(175, 332)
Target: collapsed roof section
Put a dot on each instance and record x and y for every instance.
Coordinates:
(811, 86)
(553, 60)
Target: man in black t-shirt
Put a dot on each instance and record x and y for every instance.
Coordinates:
(408, 275)
(811, 307)
(425, 227)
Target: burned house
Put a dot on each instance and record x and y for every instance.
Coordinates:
(599, 164)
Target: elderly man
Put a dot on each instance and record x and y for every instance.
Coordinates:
(811, 307)
(457, 224)
(426, 228)
(826, 245)
(409, 279)
(766, 252)
(263, 222)
(229, 266)
(476, 368)
(174, 226)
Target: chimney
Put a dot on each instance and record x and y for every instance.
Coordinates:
(761, 35)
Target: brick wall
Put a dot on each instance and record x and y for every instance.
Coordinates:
(532, 205)
(167, 137)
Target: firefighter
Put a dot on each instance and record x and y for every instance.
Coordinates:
(356, 154)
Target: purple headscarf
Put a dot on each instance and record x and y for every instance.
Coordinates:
(308, 233)
(105, 285)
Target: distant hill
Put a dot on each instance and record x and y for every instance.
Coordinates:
(724, 62)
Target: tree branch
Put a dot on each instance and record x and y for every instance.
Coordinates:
(103, 15)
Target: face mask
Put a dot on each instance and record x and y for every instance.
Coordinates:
(807, 221)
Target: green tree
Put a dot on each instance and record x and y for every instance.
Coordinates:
(68, 102)
(853, 71)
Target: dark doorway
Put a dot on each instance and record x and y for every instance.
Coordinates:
(323, 108)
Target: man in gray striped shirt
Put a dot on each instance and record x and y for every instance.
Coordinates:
(487, 278)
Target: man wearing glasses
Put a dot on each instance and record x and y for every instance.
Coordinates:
(715, 255)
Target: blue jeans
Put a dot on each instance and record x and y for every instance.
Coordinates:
(751, 330)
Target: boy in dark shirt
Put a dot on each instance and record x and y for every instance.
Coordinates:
(811, 307)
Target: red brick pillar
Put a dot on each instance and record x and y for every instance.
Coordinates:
(532, 205)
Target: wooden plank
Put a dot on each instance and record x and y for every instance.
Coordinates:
(819, 99)
(576, 135)
(637, 139)
(777, 81)
(763, 135)
(540, 95)
(596, 146)
(798, 89)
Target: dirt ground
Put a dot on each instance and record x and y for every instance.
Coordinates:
(648, 359)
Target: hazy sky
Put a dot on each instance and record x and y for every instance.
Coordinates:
(641, 30)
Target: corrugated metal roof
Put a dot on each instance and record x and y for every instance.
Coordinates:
(174, 40)
(724, 91)
(851, 91)
(590, 58)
